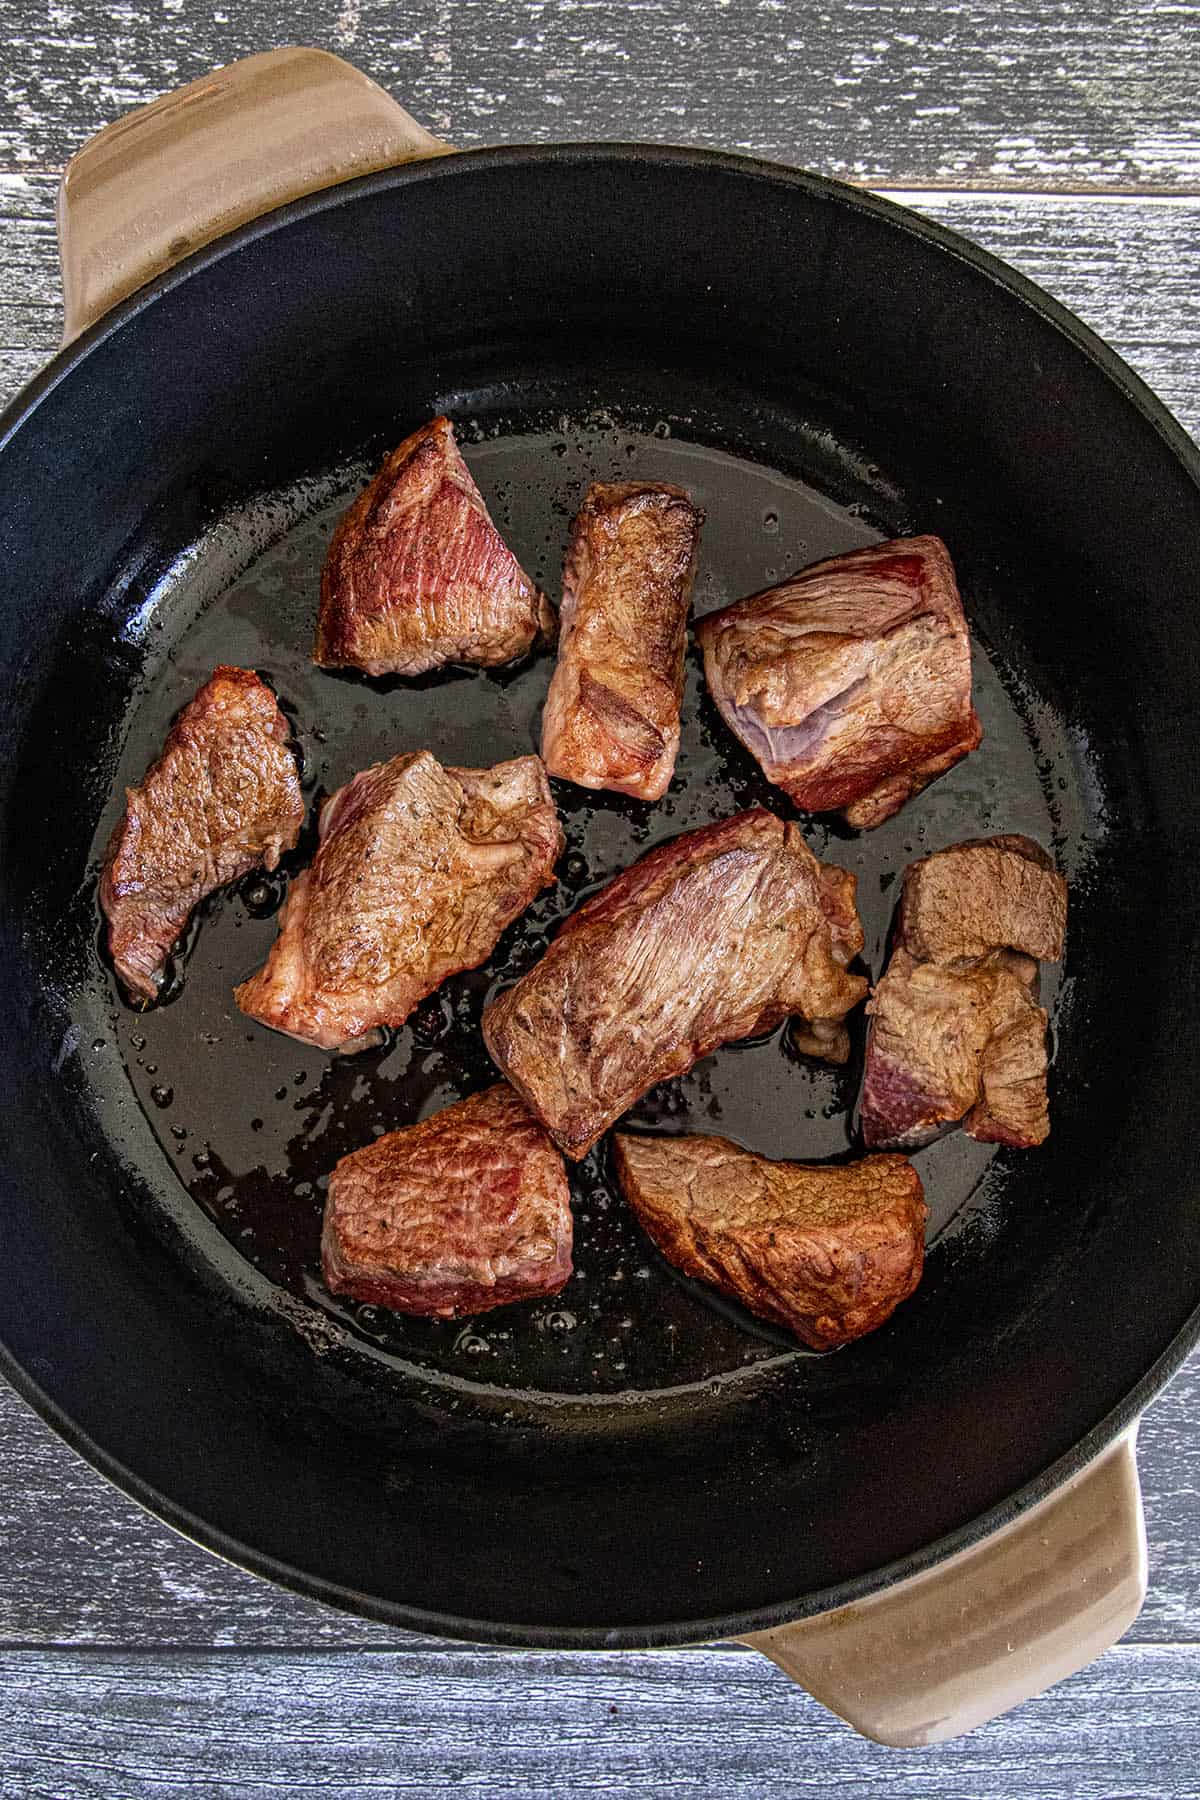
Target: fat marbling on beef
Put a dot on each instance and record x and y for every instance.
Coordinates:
(851, 681)
(418, 870)
(417, 574)
(828, 1252)
(222, 799)
(720, 934)
(956, 1029)
(612, 712)
(467, 1210)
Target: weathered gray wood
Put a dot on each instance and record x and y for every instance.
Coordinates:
(1032, 93)
(698, 1723)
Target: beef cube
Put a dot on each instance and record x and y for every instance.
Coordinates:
(417, 574)
(418, 871)
(612, 713)
(222, 799)
(465, 1211)
(850, 683)
(957, 1043)
(827, 1252)
(981, 895)
(718, 935)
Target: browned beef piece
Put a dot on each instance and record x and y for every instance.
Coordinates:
(465, 1211)
(953, 1043)
(828, 1252)
(850, 682)
(223, 798)
(418, 871)
(612, 713)
(417, 574)
(956, 1029)
(718, 935)
(981, 895)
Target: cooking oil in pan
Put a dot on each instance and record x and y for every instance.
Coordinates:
(252, 1123)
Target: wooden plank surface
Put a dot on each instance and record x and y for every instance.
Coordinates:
(1024, 93)
(694, 1723)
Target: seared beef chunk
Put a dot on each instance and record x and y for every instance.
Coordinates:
(828, 1252)
(418, 871)
(417, 574)
(956, 1029)
(465, 1211)
(850, 682)
(720, 934)
(981, 895)
(956, 1043)
(223, 798)
(612, 713)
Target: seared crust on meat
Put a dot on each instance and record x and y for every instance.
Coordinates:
(418, 871)
(851, 681)
(956, 1029)
(612, 713)
(222, 799)
(720, 934)
(467, 1210)
(981, 895)
(417, 574)
(828, 1252)
(963, 1043)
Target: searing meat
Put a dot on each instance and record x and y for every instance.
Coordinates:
(612, 713)
(828, 1252)
(418, 871)
(956, 1029)
(956, 1043)
(467, 1210)
(417, 574)
(851, 682)
(982, 894)
(222, 799)
(720, 934)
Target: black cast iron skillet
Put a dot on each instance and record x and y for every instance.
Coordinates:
(636, 1462)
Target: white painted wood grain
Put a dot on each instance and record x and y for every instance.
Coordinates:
(683, 1725)
(1032, 93)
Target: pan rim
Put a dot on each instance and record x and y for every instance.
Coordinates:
(673, 1632)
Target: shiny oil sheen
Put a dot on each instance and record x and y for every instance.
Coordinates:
(252, 1123)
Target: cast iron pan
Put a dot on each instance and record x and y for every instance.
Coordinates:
(636, 1461)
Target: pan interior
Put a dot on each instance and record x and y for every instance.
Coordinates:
(248, 1124)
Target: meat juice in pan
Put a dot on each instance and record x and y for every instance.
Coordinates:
(253, 1122)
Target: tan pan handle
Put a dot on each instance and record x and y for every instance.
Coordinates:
(944, 1651)
(154, 186)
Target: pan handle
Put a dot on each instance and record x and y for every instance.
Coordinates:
(162, 181)
(942, 1652)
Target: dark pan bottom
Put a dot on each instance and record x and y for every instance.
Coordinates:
(250, 1123)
